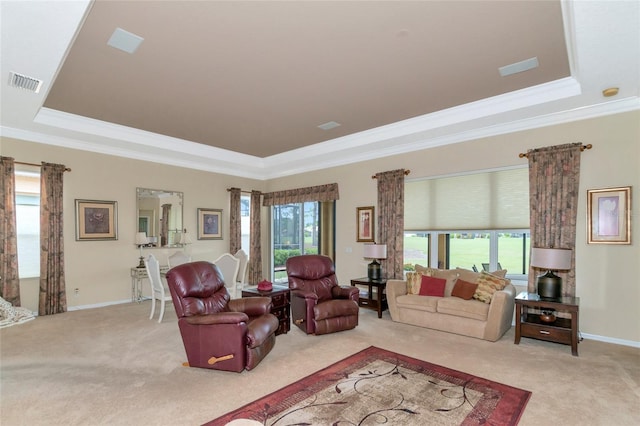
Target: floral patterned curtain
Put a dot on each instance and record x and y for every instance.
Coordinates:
(554, 174)
(391, 220)
(235, 224)
(328, 192)
(255, 246)
(8, 241)
(53, 298)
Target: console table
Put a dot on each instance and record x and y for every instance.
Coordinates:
(562, 330)
(380, 302)
(281, 304)
(137, 275)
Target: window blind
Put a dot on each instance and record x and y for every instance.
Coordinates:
(487, 200)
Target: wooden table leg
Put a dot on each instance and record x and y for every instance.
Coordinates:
(379, 302)
(518, 322)
(574, 333)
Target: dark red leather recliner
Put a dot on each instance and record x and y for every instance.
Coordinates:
(318, 304)
(217, 332)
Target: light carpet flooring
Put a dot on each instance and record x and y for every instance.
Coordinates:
(114, 366)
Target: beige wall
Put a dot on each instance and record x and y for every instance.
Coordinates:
(608, 280)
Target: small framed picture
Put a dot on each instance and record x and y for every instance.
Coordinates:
(609, 216)
(365, 220)
(96, 220)
(209, 224)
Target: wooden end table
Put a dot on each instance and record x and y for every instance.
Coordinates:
(281, 304)
(380, 302)
(562, 330)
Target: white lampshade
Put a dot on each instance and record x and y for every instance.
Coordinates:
(184, 238)
(375, 251)
(141, 239)
(551, 258)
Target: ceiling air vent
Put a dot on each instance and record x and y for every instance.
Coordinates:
(23, 82)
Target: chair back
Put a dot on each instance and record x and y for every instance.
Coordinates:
(228, 266)
(197, 288)
(153, 271)
(242, 256)
(178, 258)
(312, 272)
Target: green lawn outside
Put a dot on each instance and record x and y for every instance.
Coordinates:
(466, 252)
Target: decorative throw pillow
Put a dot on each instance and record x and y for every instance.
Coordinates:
(424, 270)
(499, 273)
(468, 275)
(432, 286)
(414, 280)
(487, 285)
(464, 289)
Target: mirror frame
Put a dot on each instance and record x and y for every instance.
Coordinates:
(149, 217)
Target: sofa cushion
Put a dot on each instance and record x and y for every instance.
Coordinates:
(432, 286)
(464, 289)
(414, 281)
(487, 285)
(463, 308)
(420, 303)
(451, 275)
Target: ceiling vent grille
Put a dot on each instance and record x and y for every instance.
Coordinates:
(23, 82)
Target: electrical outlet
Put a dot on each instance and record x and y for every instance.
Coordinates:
(76, 291)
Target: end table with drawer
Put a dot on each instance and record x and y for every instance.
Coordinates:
(561, 330)
(366, 298)
(281, 304)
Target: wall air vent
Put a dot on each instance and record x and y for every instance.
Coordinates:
(23, 82)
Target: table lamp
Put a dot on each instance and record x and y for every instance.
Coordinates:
(375, 251)
(549, 284)
(141, 241)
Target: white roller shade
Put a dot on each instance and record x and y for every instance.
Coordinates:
(488, 200)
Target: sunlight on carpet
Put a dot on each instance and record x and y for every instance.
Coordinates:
(376, 386)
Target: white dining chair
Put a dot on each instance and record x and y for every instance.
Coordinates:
(158, 290)
(241, 279)
(178, 258)
(229, 265)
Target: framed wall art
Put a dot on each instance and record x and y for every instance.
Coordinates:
(609, 215)
(96, 220)
(364, 222)
(209, 224)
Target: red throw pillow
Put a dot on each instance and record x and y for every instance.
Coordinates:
(464, 289)
(432, 286)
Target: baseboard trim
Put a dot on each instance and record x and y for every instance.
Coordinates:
(613, 340)
(98, 305)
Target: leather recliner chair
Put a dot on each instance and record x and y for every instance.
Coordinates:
(218, 332)
(318, 304)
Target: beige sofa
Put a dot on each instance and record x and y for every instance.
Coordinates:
(474, 318)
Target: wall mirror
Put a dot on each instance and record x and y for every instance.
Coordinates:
(159, 216)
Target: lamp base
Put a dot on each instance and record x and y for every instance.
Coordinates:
(549, 286)
(374, 271)
(141, 264)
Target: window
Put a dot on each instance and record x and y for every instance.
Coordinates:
(478, 220)
(482, 250)
(28, 223)
(295, 228)
(245, 222)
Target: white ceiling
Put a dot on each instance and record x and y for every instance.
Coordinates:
(255, 79)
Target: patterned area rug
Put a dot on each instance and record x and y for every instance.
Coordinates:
(376, 387)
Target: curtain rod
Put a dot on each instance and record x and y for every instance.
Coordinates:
(406, 173)
(582, 148)
(66, 169)
(242, 191)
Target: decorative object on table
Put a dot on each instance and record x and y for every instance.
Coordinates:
(364, 223)
(141, 241)
(265, 285)
(376, 252)
(209, 224)
(609, 215)
(358, 388)
(548, 316)
(96, 220)
(552, 259)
